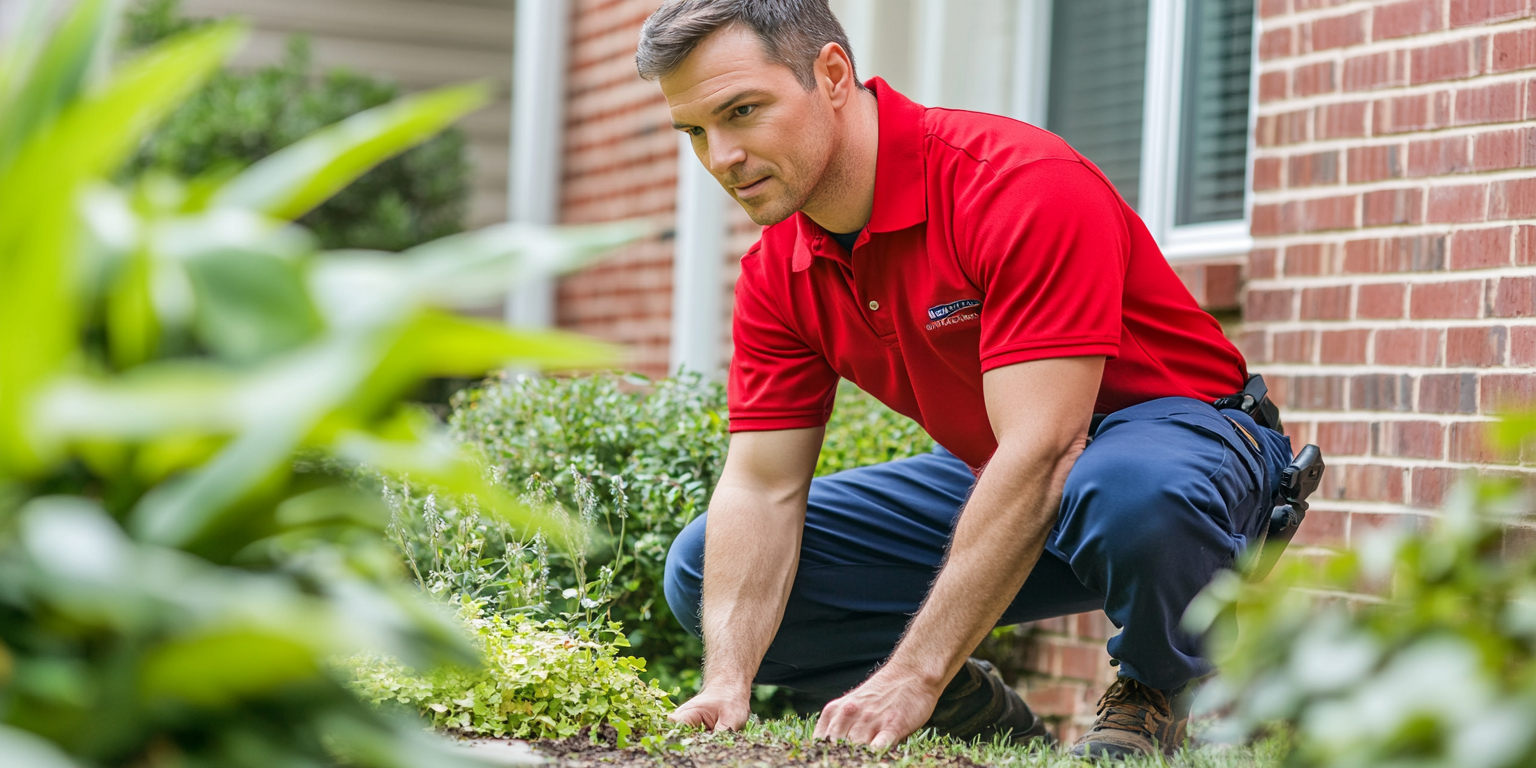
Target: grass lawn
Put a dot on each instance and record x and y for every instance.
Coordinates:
(788, 742)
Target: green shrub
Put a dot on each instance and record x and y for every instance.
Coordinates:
(1416, 648)
(173, 582)
(637, 460)
(542, 680)
(240, 117)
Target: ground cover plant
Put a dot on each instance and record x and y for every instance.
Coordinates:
(186, 387)
(238, 117)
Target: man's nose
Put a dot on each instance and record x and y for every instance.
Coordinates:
(724, 154)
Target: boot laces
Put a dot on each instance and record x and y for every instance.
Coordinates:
(1125, 706)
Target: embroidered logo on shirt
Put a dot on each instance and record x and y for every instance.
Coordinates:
(952, 313)
(945, 310)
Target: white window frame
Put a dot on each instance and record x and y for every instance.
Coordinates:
(1161, 118)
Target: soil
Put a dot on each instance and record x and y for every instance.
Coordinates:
(580, 752)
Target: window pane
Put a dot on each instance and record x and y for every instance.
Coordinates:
(1098, 77)
(1213, 150)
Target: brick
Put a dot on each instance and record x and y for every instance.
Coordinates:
(1408, 439)
(1460, 204)
(1414, 17)
(1374, 71)
(1471, 441)
(1266, 173)
(1429, 486)
(1458, 299)
(1465, 13)
(1294, 346)
(1343, 438)
(1386, 207)
(1508, 392)
(1525, 246)
(1404, 114)
(1439, 156)
(1417, 253)
(1254, 345)
(1514, 50)
(1515, 297)
(1306, 259)
(1336, 32)
(1512, 199)
(1478, 347)
(1323, 528)
(1312, 169)
(1268, 8)
(1343, 347)
(1380, 302)
(1093, 626)
(1407, 346)
(1448, 61)
(1277, 43)
(1500, 103)
(1381, 392)
(1372, 163)
(1448, 393)
(1317, 393)
(1373, 482)
(1312, 79)
(1500, 150)
(1325, 303)
(1083, 662)
(1269, 304)
(1261, 264)
(1481, 248)
(1274, 86)
(1271, 219)
(1522, 345)
(1342, 121)
(1328, 213)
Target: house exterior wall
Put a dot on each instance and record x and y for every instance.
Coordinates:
(419, 44)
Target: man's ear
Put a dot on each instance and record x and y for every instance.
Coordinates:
(834, 74)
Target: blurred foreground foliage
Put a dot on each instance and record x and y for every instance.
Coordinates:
(173, 582)
(1414, 649)
(636, 460)
(238, 117)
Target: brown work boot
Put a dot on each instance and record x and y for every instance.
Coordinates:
(977, 703)
(1135, 719)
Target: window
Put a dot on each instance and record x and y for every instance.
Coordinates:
(1155, 92)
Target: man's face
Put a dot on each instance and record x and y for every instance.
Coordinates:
(757, 130)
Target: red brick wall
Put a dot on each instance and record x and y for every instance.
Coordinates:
(620, 161)
(1390, 296)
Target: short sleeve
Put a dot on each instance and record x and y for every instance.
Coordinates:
(1049, 246)
(777, 381)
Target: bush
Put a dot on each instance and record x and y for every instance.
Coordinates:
(635, 459)
(1415, 649)
(542, 680)
(238, 118)
(173, 583)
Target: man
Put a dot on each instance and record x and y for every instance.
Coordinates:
(978, 275)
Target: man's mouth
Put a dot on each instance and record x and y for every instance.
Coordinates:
(748, 190)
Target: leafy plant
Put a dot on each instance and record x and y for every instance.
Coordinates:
(239, 117)
(1414, 649)
(172, 581)
(542, 680)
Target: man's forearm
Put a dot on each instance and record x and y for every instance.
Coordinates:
(994, 547)
(751, 553)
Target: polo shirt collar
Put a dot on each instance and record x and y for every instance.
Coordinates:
(900, 201)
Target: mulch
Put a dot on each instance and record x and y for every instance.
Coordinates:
(580, 751)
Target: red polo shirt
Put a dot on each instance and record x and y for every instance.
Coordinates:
(991, 243)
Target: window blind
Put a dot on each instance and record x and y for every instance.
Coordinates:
(1213, 145)
(1097, 81)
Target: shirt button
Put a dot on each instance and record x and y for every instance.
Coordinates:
(873, 305)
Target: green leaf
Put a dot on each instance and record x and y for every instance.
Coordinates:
(224, 666)
(290, 182)
(37, 84)
(20, 748)
(250, 305)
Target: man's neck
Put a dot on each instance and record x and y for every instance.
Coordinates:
(845, 199)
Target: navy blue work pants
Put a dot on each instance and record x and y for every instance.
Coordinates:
(1167, 493)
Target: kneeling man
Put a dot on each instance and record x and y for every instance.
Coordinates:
(978, 275)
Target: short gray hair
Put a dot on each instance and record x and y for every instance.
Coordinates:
(793, 32)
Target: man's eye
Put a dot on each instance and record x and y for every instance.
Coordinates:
(745, 109)
(696, 131)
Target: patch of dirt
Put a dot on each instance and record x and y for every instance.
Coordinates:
(579, 751)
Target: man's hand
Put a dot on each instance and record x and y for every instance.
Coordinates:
(715, 709)
(888, 707)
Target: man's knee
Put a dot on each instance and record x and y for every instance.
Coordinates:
(684, 578)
